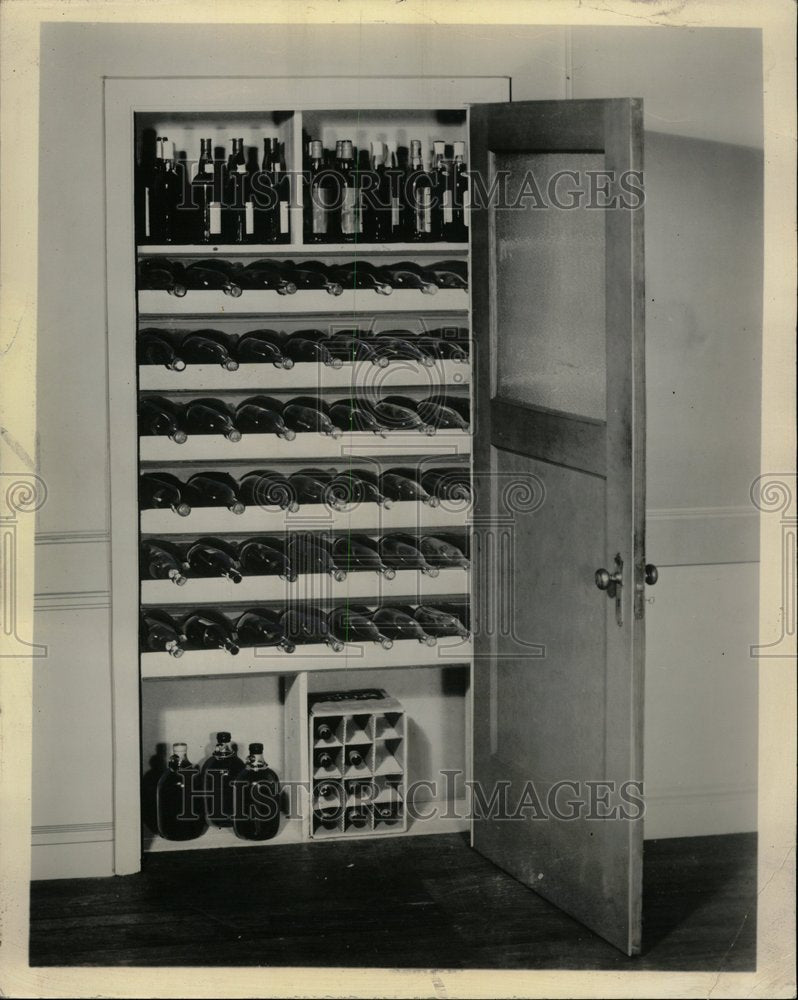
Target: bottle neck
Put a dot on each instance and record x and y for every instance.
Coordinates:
(255, 762)
(223, 750)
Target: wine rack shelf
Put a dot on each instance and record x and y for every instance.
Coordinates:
(267, 303)
(255, 520)
(362, 375)
(440, 251)
(268, 447)
(313, 657)
(312, 587)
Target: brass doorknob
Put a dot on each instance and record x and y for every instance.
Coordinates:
(605, 579)
(652, 574)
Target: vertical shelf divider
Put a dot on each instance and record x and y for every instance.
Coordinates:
(297, 777)
(297, 187)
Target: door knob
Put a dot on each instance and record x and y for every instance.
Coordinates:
(605, 579)
(612, 584)
(652, 574)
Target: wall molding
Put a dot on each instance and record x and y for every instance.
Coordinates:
(72, 600)
(87, 537)
(700, 811)
(72, 833)
(72, 850)
(702, 536)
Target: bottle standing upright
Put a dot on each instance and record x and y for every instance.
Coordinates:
(218, 773)
(256, 812)
(321, 196)
(179, 799)
(351, 195)
(420, 196)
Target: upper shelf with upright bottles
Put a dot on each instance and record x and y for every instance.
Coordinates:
(321, 182)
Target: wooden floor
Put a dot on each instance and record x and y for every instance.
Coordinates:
(421, 902)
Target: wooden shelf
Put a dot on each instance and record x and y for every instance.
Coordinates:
(316, 657)
(290, 832)
(307, 376)
(368, 517)
(268, 447)
(361, 586)
(216, 303)
(288, 250)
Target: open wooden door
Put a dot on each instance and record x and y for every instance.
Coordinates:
(557, 250)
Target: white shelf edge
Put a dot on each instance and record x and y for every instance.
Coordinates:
(268, 447)
(304, 249)
(311, 587)
(311, 658)
(290, 832)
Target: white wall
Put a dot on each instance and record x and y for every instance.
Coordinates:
(702, 98)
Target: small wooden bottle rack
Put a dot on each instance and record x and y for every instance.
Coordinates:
(358, 755)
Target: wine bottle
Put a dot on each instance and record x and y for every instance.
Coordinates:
(441, 552)
(360, 274)
(313, 274)
(263, 347)
(216, 489)
(440, 623)
(265, 275)
(406, 275)
(458, 231)
(444, 348)
(325, 731)
(266, 488)
(262, 415)
(323, 760)
(350, 415)
(420, 196)
(449, 273)
(162, 560)
(403, 484)
(355, 486)
(282, 187)
(210, 629)
(309, 413)
(320, 196)
(161, 490)
(264, 556)
(144, 181)
(453, 483)
(179, 799)
(377, 198)
(395, 417)
(356, 817)
(387, 813)
(263, 627)
(396, 215)
(401, 551)
(234, 203)
(158, 633)
(153, 348)
(441, 192)
(309, 625)
(159, 416)
(256, 813)
(310, 346)
(328, 804)
(265, 199)
(210, 416)
(214, 557)
(397, 624)
(356, 758)
(207, 196)
(217, 776)
(350, 349)
(442, 413)
(216, 275)
(308, 554)
(406, 346)
(360, 552)
(165, 195)
(350, 626)
(351, 225)
(208, 347)
(160, 274)
(309, 486)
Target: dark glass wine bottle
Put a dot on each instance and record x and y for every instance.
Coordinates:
(308, 625)
(440, 552)
(401, 551)
(360, 552)
(267, 276)
(320, 196)
(263, 415)
(310, 485)
(351, 224)
(154, 348)
(216, 275)
(210, 629)
(208, 347)
(217, 776)
(420, 197)
(162, 417)
(396, 417)
(159, 633)
(440, 623)
(351, 349)
(263, 627)
(356, 757)
(256, 799)
(211, 416)
(162, 560)
(441, 191)
(307, 553)
(310, 275)
(352, 626)
(402, 484)
(162, 490)
(282, 187)
(360, 274)
(459, 226)
(452, 483)
(216, 489)
(377, 198)
(396, 188)
(303, 346)
(266, 488)
(405, 346)
(442, 412)
(356, 486)
(234, 215)
(265, 199)
(263, 347)
(144, 181)
(352, 415)
(214, 557)
(160, 274)
(179, 799)
(205, 195)
(264, 556)
(398, 624)
(449, 273)
(408, 275)
(310, 413)
(166, 195)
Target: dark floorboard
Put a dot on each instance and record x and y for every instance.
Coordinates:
(400, 903)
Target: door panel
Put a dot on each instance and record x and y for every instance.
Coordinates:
(558, 328)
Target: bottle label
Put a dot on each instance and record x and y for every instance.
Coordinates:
(283, 216)
(147, 212)
(215, 218)
(207, 168)
(424, 209)
(447, 206)
(466, 204)
(241, 168)
(395, 212)
(249, 218)
(321, 201)
(350, 211)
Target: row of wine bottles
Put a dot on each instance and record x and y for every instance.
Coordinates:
(287, 277)
(286, 628)
(300, 553)
(387, 197)
(348, 196)
(160, 416)
(339, 490)
(156, 346)
(225, 792)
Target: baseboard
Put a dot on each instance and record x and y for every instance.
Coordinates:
(700, 812)
(73, 850)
